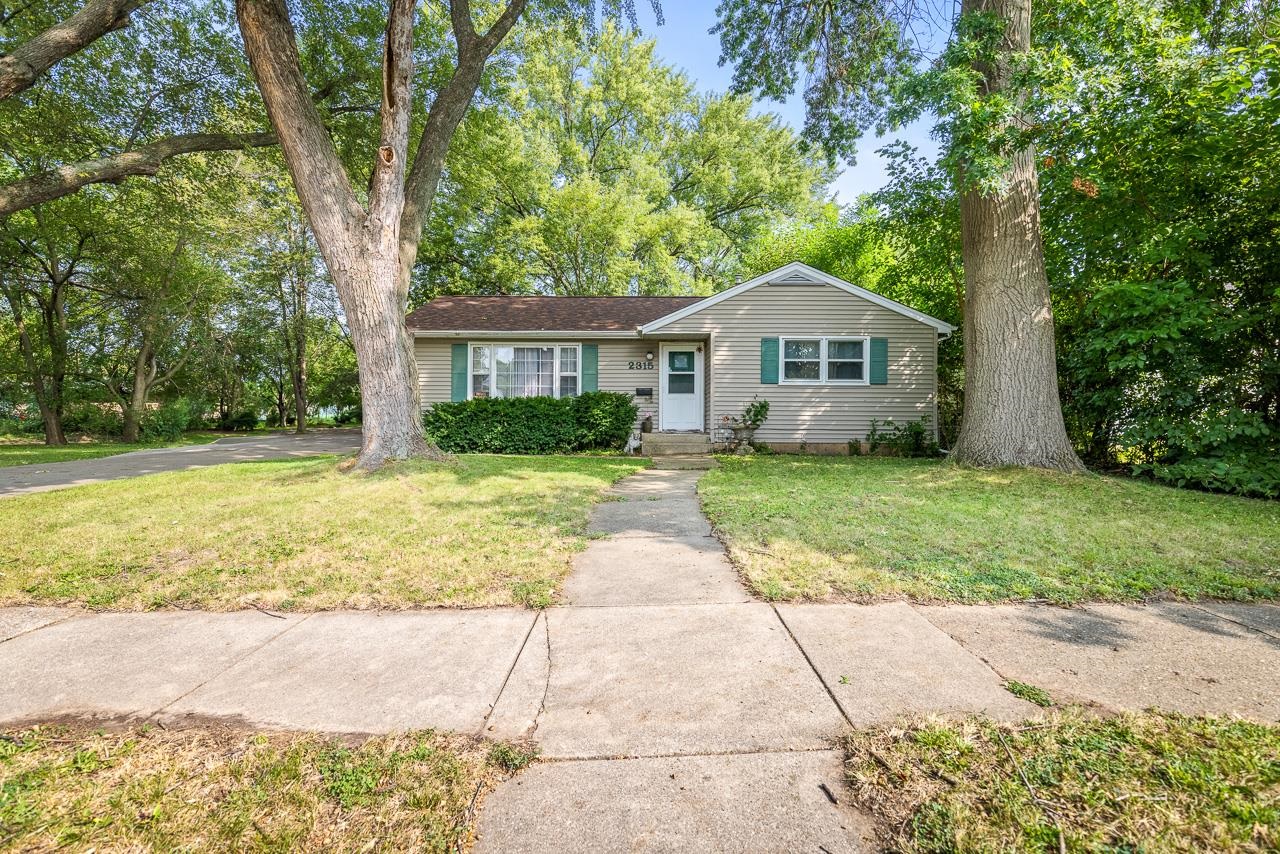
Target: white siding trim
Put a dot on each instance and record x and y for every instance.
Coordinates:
(791, 272)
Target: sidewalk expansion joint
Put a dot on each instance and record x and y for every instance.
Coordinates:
(229, 667)
(832, 694)
(632, 757)
(1225, 618)
(507, 678)
(50, 624)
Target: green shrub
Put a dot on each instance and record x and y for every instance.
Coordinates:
(605, 419)
(98, 420)
(168, 422)
(532, 425)
(246, 420)
(1232, 451)
(910, 439)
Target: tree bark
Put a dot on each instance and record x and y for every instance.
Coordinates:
(20, 70)
(1012, 412)
(145, 160)
(370, 252)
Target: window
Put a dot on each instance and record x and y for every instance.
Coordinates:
(568, 372)
(802, 359)
(532, 370)
(680, 372)
(813, 361)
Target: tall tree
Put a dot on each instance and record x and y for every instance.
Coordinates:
(596, 168)
(370, 244)
(858, 54)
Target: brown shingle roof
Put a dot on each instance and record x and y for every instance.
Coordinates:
(541, 314)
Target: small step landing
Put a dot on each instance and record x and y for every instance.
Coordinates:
(668, 444)
(685, 462)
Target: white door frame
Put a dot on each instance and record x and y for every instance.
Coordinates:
(699, 422)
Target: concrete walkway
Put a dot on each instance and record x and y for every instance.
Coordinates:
(41, 477)
(672, 711)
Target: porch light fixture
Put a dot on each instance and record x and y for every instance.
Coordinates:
(648, 355)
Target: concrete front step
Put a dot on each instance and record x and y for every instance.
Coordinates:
(661, 444)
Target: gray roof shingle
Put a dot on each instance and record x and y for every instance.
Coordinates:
(541, 313)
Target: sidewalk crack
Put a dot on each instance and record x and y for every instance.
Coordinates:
(546, 688)
(830, 693)
(228, 668)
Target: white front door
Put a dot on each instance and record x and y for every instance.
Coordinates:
(680, 400)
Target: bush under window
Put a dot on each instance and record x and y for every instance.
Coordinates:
(599, 420)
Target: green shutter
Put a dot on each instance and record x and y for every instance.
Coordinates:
(879, 361)
(769, 361)
(459, 372)
(590, 367)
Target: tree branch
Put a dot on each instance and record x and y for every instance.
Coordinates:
(146, 160)
(323, 186)
(446, 112)
(20, 69)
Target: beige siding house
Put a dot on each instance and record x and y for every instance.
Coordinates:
(828, 355)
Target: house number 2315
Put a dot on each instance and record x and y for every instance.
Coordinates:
(639, 366)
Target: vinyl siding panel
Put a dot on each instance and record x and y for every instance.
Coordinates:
(434, 361)
(817, 413)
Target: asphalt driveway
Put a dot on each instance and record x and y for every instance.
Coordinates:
(40, 477)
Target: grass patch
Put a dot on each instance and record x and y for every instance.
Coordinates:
(1149, 782)
(23, 452)
(1030, 693)
(300, 535)
(146, 789)
(860, 529)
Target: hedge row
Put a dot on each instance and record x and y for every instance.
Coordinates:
(597, 420)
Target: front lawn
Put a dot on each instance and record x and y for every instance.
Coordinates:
(1149, 782)
(298, 534)
(148, 789)
(812, 528)
(20, 451)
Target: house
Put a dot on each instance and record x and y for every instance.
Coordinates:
(828, 355)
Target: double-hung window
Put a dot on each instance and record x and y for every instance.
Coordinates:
(524, 370)
(824, 360)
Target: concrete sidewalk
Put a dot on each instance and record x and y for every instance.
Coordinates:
(673, 711)
(42, 477)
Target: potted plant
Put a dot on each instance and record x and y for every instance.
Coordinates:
(745, 425)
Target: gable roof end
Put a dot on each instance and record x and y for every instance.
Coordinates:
(797, 273)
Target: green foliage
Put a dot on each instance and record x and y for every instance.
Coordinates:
(244, 420)
(168, 422)
(532, 425)
(93, 419)
(908, 439)
(753, 414)
(601, 170)
(605, 419)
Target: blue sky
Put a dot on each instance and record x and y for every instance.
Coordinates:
(684, 41)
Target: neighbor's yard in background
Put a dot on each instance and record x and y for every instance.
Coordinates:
(815, 528)
(21, 450)
(298, 534)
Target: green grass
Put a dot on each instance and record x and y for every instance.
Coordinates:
(1030, 693)
(299, 534)
(20, 451)
(813, 528)
(1149, 782)
(147, 789)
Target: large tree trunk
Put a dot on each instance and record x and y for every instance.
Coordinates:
(363, 248)
(1012, 413)
(384, 355)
